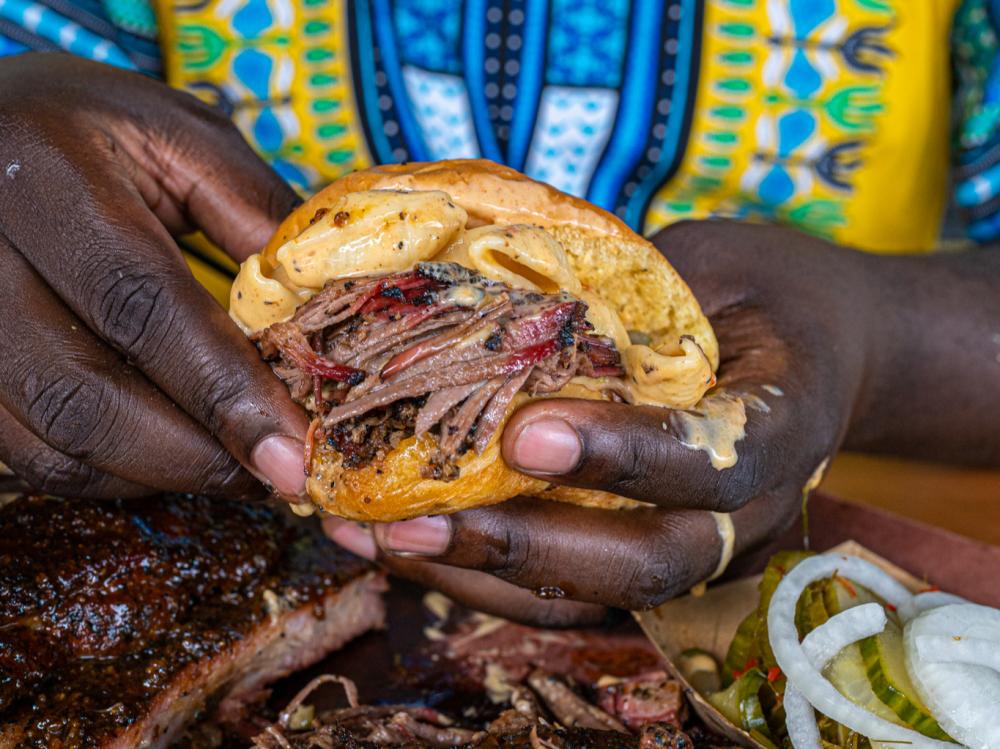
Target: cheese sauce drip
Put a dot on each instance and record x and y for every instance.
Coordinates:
(377, 231)
(715, 425)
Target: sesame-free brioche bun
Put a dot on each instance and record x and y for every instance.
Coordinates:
(607, 257)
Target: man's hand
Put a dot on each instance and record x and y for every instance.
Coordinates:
(793, 319)
(896, 355)
(119, 374)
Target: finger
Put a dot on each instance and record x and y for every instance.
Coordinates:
(120, 272)
(473, 589)
(206, 173)
(630, 559)
(188, 160)
(643, 452)
(491, 595)
(47, 471)
(87, 404)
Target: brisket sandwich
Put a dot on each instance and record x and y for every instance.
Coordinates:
(411, 309)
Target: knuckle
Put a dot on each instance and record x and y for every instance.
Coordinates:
(657, 572)
(134, 311)
(506, 547)
(71, 414)
(217, 394)
(515, 555)
(742, 483)
(225, 476)
(48, 472)
(637, 463)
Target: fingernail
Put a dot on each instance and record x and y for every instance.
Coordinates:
(429, 536)
(279, 461)
(350, 536)
(547, 446)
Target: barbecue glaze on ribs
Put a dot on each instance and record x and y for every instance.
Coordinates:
(122, 621)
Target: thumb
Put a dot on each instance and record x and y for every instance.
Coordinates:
(646, 453)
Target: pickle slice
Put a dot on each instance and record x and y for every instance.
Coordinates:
(811, 610)
(847, 672)
(777, 567)
(740, 703)
(885, 666)
(742, 650)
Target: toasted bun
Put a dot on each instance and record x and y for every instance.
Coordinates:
(608, 258)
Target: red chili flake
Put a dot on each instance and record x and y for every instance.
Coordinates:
(752, 663)
(931, 589)
(890, 607)
(773, 674)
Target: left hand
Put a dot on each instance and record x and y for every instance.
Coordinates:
(792, 315)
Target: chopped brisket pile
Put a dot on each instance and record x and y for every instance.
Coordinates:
(479, 682)
(439, 350)
(544, 713)
(120, 622)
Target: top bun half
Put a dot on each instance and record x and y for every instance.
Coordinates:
(607, 256)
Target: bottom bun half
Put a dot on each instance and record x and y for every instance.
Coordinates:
(395, 489)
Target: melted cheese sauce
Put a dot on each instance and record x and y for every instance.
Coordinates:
(714, 426)
(381, 231)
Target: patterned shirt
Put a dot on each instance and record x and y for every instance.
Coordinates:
(834, 116)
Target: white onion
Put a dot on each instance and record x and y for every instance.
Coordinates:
(805, 677)
(821, 646)
(921, 602)
(824, 643)
(800, 720)
(973, 651)
(964, 698)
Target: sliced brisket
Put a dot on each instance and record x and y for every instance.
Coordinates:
(380, 358)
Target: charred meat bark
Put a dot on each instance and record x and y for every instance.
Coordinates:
(380, 358)
(122, 621)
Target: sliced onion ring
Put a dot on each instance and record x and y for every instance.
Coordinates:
(963, 697)
(821, 646)
(921, 602)
(974, 651)
(805, 677)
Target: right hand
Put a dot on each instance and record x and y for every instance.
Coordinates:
(795, 323)
(120, 375)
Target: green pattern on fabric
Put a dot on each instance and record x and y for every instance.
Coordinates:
(974, 47)
(135, 16)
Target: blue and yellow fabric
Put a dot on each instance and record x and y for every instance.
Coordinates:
(834, 116)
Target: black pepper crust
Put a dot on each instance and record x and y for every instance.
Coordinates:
(103, 603)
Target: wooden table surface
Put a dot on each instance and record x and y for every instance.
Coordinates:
(966, 501)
